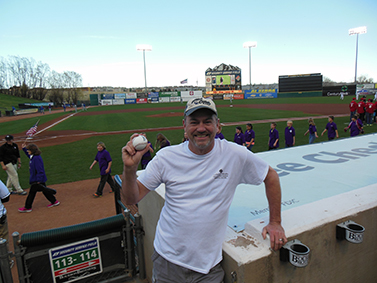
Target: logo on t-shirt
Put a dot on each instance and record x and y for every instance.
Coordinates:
(220, 175)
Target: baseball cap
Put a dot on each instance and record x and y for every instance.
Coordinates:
(199, 103)
(8, 137)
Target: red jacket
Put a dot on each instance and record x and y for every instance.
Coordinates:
(360, 107)
(353, 106)
(369, 107)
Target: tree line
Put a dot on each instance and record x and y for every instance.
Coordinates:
(24, 77)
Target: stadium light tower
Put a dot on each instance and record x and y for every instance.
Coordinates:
(357, 31)
(250, 44)
(144, 47)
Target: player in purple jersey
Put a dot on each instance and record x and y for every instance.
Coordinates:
(219, 134)
(148, 155)
(331, 128)
(239, 137)
(273, 140)
(355, 127)
(312, 131)
(249, 136)
(104, 160)
(290, 134)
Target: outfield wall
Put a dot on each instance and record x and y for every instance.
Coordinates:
(300, 94)
(323, 185)
(183, 96)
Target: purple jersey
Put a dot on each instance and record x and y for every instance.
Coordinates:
(355, 128)
(103, 158)
(219, 136)
(239, 138)
(249, 135)
(274, 135)
(147, 156)
(312, 129)
(289, 134)
(331, 128)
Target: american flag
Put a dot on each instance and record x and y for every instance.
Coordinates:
(32, 130)
(184, 81)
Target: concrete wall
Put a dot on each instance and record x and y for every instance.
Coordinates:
(330, 260)
(150, 208)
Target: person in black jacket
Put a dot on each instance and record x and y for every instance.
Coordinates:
(10, 161)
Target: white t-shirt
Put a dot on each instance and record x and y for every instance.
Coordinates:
(4, 192)
(199, 192)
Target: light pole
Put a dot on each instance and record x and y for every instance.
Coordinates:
(144, 47)
(250, 44)
(357, 31)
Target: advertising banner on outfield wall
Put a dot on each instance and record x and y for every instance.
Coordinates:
(170, 94)
(187, 95)
(142, 95)
(107, 96)
(217, 96)
(261, 93)
(175, 99)
(337, 90)
(164, 99)
(366, 89)
(119, 95)
(228, 96)
(153, 94)
(118, 101)
(154, 99)
(209, 96)
(131, 95)
(238, 96)
(142, 100)
(130, 101)
(106, 102)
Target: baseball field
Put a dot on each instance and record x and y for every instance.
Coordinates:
(68, 143)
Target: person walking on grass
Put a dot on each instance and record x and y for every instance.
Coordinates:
(273, 138)
(37, 178)
(239, 137)
(249, 136)
(104, 159)
(10, 162)
(312, 131)
(290, 134)
(331, 128)
(355, 127)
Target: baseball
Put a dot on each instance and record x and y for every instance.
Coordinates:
(140, 142)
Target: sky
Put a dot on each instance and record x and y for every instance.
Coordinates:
(98, 39)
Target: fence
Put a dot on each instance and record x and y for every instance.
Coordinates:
(105, 250)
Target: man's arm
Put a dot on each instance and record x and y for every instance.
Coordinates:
(274, 228)
(132, 190)
(3, 165)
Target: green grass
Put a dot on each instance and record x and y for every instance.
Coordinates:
(21, 126)
(7, 101)
(70, 162)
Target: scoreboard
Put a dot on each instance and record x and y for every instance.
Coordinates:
(297, 83)
(223, 78)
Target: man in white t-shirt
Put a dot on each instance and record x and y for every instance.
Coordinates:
(200, 178)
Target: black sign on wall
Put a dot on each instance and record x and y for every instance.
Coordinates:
(296, 83)
(336, 90)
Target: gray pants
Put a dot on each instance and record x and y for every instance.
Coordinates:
(166, 272)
